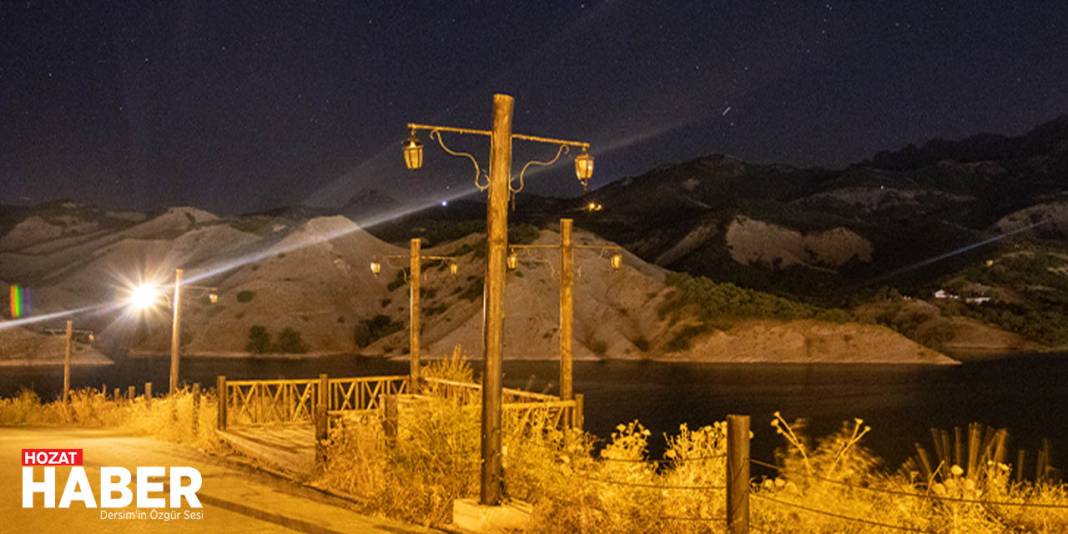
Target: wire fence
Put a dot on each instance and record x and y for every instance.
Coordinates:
(664, 461)
(652, 486)
(836, 515)
(912, 493)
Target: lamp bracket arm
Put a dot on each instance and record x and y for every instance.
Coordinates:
(451, 129)
(550, 140)
(522, 174)
(436, 134)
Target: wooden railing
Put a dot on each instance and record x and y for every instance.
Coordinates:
(252, 402)
(520, 404)
(364, 393)
(470, 390)
(295, 400)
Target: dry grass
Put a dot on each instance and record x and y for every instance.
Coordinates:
(168, 418)
(576, 487)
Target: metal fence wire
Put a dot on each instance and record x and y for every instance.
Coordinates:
(912, 493)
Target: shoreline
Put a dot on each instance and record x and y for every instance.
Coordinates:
(23, 362)
(958, 357)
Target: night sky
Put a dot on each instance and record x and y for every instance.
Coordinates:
(242, 106)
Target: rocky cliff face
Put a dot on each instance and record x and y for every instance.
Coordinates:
(753, 242)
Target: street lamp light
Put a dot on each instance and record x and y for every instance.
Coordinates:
(617, 261)
(513, 261)
(147, 296)
(500, 183)
(376, 267)
(584, 168)
(144, 297)
(413, 153)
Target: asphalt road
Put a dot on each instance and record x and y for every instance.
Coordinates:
(235, 499)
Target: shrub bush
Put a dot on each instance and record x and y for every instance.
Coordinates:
(245, 296)
(259, 341)
(375, 328)
(290, 342)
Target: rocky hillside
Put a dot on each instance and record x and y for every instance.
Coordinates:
(290, 284)
(910, 220)
(19, 346)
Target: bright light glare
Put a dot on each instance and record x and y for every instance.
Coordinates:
(144, 296)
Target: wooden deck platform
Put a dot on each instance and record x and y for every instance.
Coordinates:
(285, 447)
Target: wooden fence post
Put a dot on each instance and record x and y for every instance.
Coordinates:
(196, 408)
(321, 407)
(68, 349)
(116, 395)
(738, 474)
(1021, 458)
(1043, 460)
(389, 417)
(578, 417)
(220, 395)
(148, 394)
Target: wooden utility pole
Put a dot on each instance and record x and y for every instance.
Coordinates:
(567, 308)
(415, 263)
(176, 331)
(500, 188)
(493, 299)
(737, 474)
(567, 248)
(68, 349)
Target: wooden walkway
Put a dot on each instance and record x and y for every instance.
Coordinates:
(286, 447)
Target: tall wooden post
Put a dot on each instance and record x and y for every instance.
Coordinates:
(148, 393)
(493, 297)
(567, 308)
(737, 474)
(415, 273)
(176, 331)
(220, 400)
(68, 349)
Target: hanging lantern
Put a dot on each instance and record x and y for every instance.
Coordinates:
(617, 261)
(453, 268)
(512, 261)
(413, 153)
(376, 268)
(213, 297)
(584, 167)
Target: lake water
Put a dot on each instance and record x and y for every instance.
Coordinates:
(901, 403)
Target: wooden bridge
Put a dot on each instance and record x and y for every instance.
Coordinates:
(284, 424)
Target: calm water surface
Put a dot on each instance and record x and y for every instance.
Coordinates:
(901, 403)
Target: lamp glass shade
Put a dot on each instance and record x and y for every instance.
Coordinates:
(376, 268)
(413, 154)
(617, 261)
(213, 297)
(512, 261)
(453, 268)
(584, 166)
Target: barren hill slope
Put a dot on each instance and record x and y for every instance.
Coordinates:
(305, 286)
